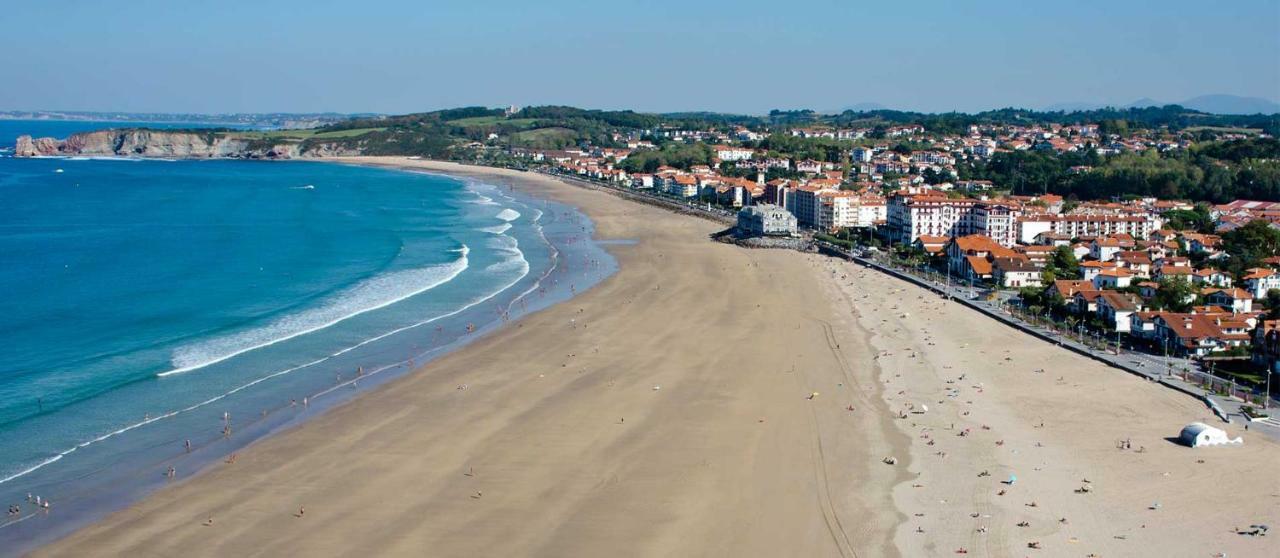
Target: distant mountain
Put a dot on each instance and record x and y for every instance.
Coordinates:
(1232, 104)
(1212, 104)
(1144, 103)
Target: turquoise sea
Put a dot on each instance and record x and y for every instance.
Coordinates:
(145, 304)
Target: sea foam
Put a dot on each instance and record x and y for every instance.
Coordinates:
(368, 295)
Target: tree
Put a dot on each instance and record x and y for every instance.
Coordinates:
(1175, 295)
(1253, 242)
(933, 177)
(1197, 219)
(1273, 304)
(1064, 262)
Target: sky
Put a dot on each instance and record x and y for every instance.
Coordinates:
(744, 56)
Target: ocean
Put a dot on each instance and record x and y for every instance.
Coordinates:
(145, 304)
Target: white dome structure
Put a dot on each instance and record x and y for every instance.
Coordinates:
(1199, 434)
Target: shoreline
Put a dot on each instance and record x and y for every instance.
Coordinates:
(576, 451)
(81, 502)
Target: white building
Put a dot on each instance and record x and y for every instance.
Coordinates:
(729, 153)
(1260, 280)
(909, 216)
(1077, 226)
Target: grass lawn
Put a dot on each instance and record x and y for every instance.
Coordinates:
(1224, 130)
(544, 134)
(491, 120)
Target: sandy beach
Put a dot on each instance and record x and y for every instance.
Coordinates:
(665, 412)
(709, 400)
(1003, 405)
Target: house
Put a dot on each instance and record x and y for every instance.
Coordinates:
(683, 185)
(1084, 302)
(1114, 308)
(1067, 288)
(1147, 289)
(1211, 277)
(1052, 239)
(809, 166)
(1016, 272)
(728, 153)
(1259, 280)
(1113, 278)
(1233, 299)
(1039, 255)
(1142, 325)
(1205, 243)
(1173, 272)
(963, 251)
(1105, 249)
(1197, 335)
(932, 245)
(1136, 261)
(1089, 270)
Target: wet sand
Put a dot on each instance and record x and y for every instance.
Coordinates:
(666, 412)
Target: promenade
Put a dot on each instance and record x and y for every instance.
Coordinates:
(1172, 372)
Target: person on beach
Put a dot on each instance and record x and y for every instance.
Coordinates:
(188, 446)
(302, 510)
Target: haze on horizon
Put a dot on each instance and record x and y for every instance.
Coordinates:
(750, 56)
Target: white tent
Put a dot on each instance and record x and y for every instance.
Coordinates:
(1199, 434)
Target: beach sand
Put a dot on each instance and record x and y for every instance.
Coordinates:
(665, 412)
(709, 400)
(1052, 419)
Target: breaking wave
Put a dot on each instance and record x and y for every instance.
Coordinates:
(370, 294)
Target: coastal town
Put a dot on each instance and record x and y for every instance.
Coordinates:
(1142, 274)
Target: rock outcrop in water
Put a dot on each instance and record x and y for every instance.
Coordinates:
(174, 145)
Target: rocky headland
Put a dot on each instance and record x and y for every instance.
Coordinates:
(183, 144)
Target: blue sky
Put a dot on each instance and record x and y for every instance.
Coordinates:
(655, 55)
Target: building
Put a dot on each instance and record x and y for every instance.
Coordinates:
(971, 256)
(1112, 278)
(1259, 280)
(766, 220)
(909, 216)
(806, 205)
(1198, 335)
(1076, 226)
(1235, 300)
(729, 153)
(932, 245)
(1115, 308)
(1016, 272)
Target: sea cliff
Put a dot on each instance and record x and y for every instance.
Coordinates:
(175, 145)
